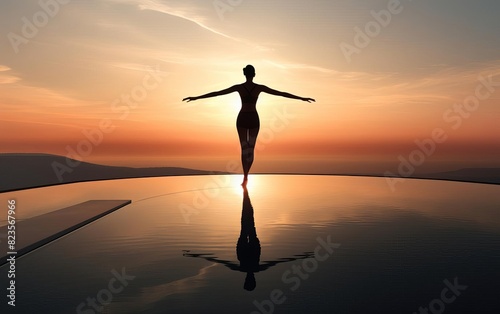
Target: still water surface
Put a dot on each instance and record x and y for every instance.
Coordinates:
(292, 244)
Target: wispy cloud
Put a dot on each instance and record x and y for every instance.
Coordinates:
(196, 14)
(300, 66)
(27, 124)
(444, 86)
(181, 10)
(6, 78)
(184, 12)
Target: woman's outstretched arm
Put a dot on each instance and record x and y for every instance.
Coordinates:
(271, 91)
(212, 94)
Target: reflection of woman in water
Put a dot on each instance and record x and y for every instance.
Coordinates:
(248, 249)
(248, 123)
(248, 246)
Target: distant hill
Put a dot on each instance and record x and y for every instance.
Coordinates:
(21, 171)
(481, 175)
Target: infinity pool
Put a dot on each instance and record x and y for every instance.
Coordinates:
(290, 244)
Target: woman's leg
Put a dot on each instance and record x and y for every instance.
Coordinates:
(248, 139)
(252, 140)
(243, 135)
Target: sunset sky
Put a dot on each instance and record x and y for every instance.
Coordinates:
(385, 75)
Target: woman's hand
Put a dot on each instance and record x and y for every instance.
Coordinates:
(308, 99)
(188, 99)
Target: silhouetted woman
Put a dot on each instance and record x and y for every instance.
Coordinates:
(248, 123)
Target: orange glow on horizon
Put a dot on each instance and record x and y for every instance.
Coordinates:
(60, 89)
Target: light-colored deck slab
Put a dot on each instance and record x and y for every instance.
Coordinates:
(37, 231)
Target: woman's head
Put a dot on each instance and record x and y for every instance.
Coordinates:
(249, 71)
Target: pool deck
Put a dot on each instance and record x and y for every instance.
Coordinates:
(35, 232)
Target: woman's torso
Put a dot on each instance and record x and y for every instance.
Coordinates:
(249, 94)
